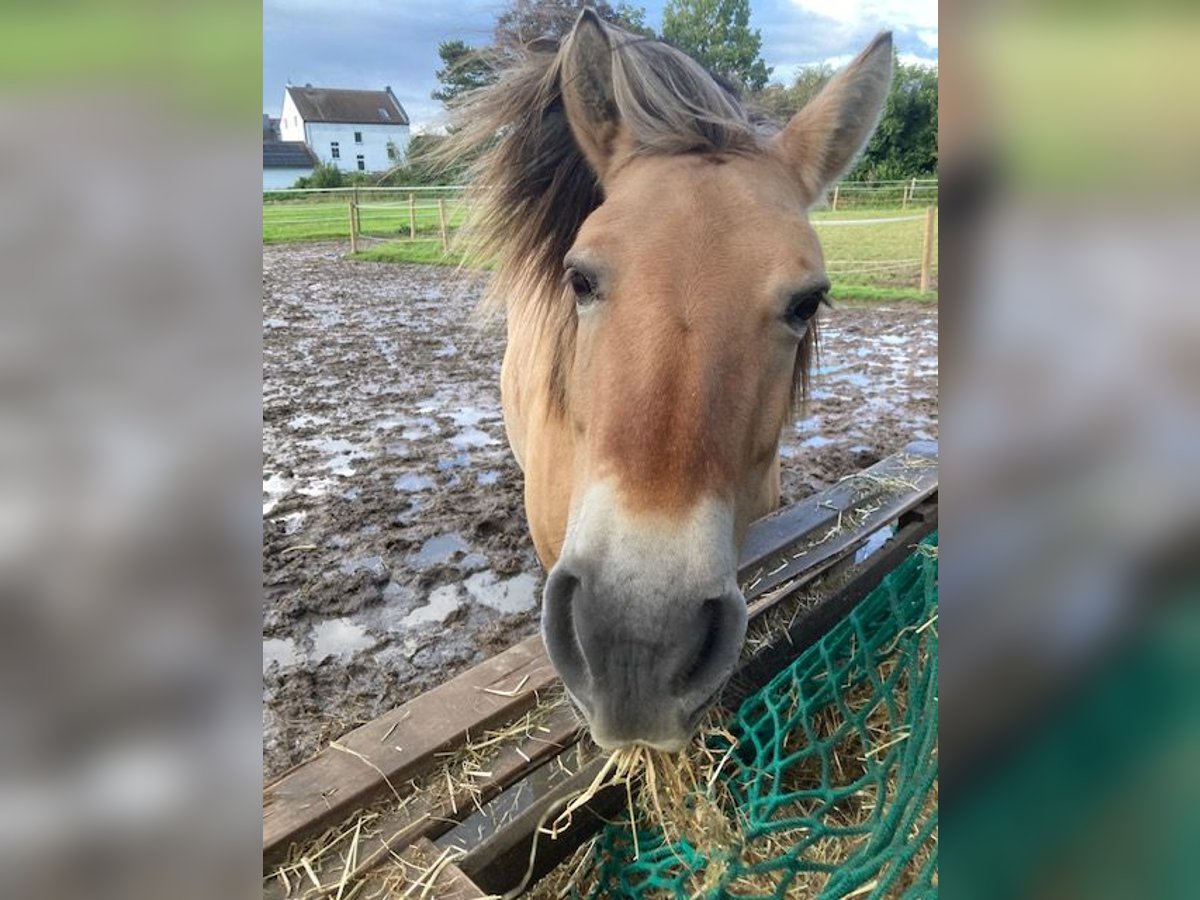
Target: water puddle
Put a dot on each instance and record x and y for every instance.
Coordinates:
(512, 595)
(438, 550)
(443, 602)
(318, 487)
(461, 461)
(470, 415)
(411, 484)
(471, 437)
(340, 452)
(852, 378)
(816, 441)
(874, 541)
(473, 562)
(293, 521)
(372, 564)
(340, 638)
(282, 651)
(304, 420)
(274, 487)
(487, 477)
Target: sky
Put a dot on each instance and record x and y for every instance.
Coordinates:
(373, 43)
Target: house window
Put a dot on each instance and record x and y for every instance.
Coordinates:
(358, 137)
(391, 148)
(334, 150)
(362, 163)
(383, 113)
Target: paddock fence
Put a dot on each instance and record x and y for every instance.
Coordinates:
(881, 235)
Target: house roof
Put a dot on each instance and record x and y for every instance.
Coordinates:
(317, 104)
(287, 155)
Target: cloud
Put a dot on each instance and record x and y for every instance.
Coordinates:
(912, 14)
(798, 33)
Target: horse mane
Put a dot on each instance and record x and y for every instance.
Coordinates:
(531, 189)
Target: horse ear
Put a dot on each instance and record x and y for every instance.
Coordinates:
(822, 140)
(587, 90)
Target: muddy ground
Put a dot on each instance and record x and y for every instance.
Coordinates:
(395, 551)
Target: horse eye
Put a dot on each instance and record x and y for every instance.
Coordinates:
(581, 284)
(803, 307)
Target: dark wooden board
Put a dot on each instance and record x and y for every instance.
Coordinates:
(400, 745)
(426, 816)
(501, 862)
(450, 882)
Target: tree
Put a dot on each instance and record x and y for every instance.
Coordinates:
(527, 20)
(905, 143)
(464, 69)
(718, 34)
(781, 103)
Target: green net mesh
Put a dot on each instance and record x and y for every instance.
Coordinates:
(833, 777)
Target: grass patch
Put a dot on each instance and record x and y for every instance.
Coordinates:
(429, 252)
(329, 218)
(849, 293)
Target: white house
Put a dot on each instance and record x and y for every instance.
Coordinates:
(355, 130)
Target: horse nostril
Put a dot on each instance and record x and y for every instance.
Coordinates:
(708, 628)
(559, 630)
(718, 630)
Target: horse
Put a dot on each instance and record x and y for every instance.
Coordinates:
(660, 282)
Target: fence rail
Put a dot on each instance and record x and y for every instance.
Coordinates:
(871, 234)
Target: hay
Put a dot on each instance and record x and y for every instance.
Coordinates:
(795, 812)
(335, 860)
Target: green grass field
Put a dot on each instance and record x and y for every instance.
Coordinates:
(329, 219)
(864, 261)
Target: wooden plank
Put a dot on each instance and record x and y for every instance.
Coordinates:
(781, 529)
(400, 745)
(875, 509)
(502, 862)
(436, 875)
(426, 816)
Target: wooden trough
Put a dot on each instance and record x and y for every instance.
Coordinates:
(477, 762)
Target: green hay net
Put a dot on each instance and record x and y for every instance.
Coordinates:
(834, 778)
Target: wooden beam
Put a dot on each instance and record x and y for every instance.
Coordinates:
(439, 877)
(400, 745)
(428, 816)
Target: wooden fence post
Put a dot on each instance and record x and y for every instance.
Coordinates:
(412, 216)
(927, 249)
(442, 223)
(353, 226)
(836, 187)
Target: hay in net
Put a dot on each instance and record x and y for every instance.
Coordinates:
(824, 783)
